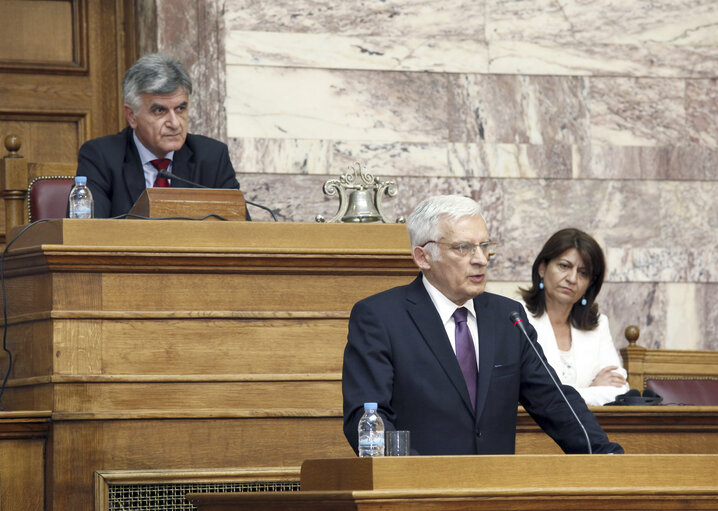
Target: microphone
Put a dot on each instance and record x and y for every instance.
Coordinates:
(518, 322)
(169, 175)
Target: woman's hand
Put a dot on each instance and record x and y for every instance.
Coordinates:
(608, 377)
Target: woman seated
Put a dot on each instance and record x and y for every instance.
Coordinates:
(566, 278)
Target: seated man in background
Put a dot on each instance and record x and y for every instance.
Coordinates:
(443, 359)
(156, 93)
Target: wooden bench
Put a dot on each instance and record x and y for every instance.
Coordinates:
(685, 377)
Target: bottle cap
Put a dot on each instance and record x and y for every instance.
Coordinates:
(370, 406)
(80, 179)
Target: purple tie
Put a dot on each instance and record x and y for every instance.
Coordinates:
(465, 352)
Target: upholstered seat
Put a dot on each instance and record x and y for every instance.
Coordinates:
(685, 391)
(47, 197)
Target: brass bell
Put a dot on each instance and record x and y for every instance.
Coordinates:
(361, 207)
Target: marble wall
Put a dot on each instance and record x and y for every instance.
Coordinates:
(600, 115)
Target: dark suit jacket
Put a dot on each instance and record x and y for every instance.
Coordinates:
(116, 179)
(398, 354)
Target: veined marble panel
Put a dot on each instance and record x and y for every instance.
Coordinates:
(614, 37)
(574, 58)
(702, 111)
(689, 216)
(392, 18)
(307, 156)
(637, 111)
(683, 325)
(519, 109)
(675, 22)
(706, 300)
(677, 162)
(333, 51)
(635, 303)
(336, 105)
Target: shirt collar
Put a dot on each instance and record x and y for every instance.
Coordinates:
(444, 306)
(146, 155)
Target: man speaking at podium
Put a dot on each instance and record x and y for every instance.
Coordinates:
(444, 360)
(156, 93)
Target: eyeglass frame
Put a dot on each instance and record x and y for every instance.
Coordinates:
(465, 248)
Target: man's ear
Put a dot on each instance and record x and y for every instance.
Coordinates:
(421, 259)
(130, 116)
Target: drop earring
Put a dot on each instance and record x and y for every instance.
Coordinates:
(584, 301)
(541, 286)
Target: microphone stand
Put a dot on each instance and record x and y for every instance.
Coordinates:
(518, 322)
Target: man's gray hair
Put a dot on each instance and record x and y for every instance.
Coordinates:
(154, 73)
(423, 222)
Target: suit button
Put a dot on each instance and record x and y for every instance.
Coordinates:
(478, 433)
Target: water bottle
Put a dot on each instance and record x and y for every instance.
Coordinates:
(371, 432)
(81, 204)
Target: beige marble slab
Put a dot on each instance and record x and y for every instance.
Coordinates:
(519, 109)
(637, 111)
(702, 111)
(611, 37)
(394, 18)
(335, 105)
(333, 51)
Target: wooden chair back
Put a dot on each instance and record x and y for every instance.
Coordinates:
(18, 178)
(688, 377)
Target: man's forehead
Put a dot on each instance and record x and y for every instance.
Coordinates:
(460, 226)
(168, 100)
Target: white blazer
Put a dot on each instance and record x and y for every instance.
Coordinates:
(592, 349)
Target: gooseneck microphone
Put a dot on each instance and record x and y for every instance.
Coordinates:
(518, 322)
(169, 175)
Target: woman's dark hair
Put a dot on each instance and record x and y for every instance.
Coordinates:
(583, 317)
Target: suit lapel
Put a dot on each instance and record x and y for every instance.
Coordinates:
(428, 323)
(183, 165)
(132, 171)
(487, 348)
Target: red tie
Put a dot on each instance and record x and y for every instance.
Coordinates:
(161, 164)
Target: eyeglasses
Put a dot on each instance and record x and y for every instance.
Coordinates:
(464, 248)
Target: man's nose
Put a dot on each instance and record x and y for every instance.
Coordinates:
(478, 257)
(172, 118)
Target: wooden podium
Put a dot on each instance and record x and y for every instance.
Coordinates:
(180, 345)
(463, 483)
(190, 203)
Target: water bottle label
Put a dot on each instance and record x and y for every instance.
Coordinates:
(81, 212)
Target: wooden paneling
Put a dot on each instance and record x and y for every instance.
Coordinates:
(61, 66)
(46, 137)
(26, 26)
(22, 460)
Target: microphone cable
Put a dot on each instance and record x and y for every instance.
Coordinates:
(169, 175)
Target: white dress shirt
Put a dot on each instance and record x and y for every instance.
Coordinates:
(446, 309)
(146, 157)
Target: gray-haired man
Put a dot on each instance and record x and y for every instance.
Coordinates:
(156, 94)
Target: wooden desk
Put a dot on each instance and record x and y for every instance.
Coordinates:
(639, 429)
(187, 345)
(463, 483)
